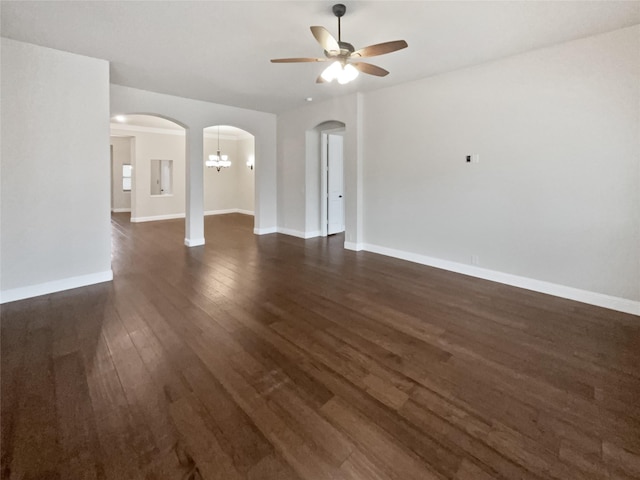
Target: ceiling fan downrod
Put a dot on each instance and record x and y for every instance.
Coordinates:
(339, 10)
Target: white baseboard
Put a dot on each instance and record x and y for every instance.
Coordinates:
(584, 296)
(265, 231)
(228, 210)
(121, 210)
(298, 233)
(291, 232)
(194, 242)
(356, 247)
(30, 291)
(182, 215)
(245, 212)
(220, 212)
(155, 218)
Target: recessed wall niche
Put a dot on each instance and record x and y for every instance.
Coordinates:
(161, 177)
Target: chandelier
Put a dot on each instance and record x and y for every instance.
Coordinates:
(218, 160)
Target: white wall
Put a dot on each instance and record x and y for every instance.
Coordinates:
(556, 194)
(121, 148)
(196, 115)
(55, 228)
(245, 176)
(299, 171)
(553, 205)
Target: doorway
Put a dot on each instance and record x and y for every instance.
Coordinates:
(121, 173)
(332, 215)
(149, 158)
(229, 187)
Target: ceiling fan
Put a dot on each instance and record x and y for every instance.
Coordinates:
(342, 54)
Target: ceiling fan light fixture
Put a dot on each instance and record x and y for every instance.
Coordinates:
(337, 71)
(332, 72)
(347, 74)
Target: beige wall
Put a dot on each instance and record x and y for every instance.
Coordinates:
(231, 188)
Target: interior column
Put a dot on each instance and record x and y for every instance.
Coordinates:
(194, 213)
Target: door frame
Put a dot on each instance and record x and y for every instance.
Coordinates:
(324, 198)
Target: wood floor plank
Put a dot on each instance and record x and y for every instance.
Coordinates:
(469, 471)
(358, 466)
(124, 446)
(272, 467)
(471, 441)
(234, 430)
(36, 429)
(442, 455)
(13, 339)
(382, 450)
(277, 358)
(209, 457)
(144, 401)
(81, 457)
(292, 447)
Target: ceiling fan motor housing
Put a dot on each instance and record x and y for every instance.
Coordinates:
(346, 49)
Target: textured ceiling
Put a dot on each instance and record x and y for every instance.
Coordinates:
(220, 51)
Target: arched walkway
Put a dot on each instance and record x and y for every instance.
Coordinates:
(229, 187)
(155, 150)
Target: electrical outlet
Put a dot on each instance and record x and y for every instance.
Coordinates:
(475, 260)
(475, 158)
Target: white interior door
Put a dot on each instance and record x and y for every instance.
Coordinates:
(165, 177)
(335, 184)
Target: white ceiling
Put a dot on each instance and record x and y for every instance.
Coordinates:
(219, 51)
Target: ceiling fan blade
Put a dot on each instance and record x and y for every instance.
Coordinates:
(297, 60)
(326, 40)
(380, 49)
(371, 69)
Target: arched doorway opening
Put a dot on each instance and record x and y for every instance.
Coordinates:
(148, 167)
(326, 196)
(229, 185)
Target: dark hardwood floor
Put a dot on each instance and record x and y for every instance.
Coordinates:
(274, 358)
